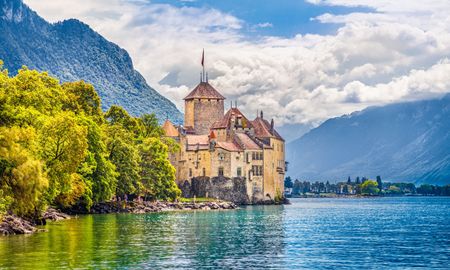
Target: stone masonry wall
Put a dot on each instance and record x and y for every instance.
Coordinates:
(206, 113)
(223, 188)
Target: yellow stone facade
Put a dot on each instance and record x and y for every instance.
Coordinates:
(231, 146)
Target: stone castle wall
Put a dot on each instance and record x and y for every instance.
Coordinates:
(228, 189)
(206, 113)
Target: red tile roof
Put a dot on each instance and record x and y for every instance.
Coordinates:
(197, 139)
(204, 90)
(263, 129)
(246, 142)
(225, 122)
(229, 146)
(197, 142)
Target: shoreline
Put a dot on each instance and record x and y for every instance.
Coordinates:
(13, 225)
(353, 196)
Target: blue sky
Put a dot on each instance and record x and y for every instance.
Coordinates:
(287, 18)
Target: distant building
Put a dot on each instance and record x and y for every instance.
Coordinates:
(215, 144)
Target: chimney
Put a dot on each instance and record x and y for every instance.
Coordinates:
(271, 125)
(262, 115)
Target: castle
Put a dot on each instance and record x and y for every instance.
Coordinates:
(226, 155)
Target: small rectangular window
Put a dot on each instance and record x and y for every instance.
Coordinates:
(220, 171)
(190, 172)
(239, 172)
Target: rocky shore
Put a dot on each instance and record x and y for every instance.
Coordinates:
(152, 207)
(12, 224)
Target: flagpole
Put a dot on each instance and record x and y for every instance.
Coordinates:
(203, 65)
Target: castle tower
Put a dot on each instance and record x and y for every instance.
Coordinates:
(203, 107)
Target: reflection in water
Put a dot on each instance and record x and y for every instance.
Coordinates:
(238, 238)
(389, 233)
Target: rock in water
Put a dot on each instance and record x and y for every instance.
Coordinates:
(55, 215)
(15, 225)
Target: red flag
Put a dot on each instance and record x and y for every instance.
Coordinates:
(203, 58)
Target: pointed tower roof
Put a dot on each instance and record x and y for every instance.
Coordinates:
(204, 90)
(264, 129)
(169, 129)
(225, 122)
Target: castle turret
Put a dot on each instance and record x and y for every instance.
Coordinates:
(202, 107)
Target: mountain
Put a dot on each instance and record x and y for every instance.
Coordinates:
(71, 50)
(290, 132)
(407, 142)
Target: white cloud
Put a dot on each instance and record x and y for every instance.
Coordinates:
(264, 25)
(398, 52)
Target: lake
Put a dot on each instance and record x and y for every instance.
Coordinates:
(344, 233)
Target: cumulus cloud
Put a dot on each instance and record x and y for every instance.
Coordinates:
(397, 52)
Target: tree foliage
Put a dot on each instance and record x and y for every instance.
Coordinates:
(369, 187)
(22, 179)
(58, 148)
(157, 174)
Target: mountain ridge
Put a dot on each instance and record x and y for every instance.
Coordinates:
(71, 50)
(401, 142)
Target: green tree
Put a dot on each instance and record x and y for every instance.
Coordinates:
(63, 148)
(117, 115)
(5, 202)
(379, 183)
(30, 97)
(82, 98)
(288, 182)
(151, 127)
(97, 170)
(22, 180)
(157, 174)
(369, 187)
(425, 189)
(394, 190)
(123, 153)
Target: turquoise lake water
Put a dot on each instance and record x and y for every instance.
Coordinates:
(376, 233)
